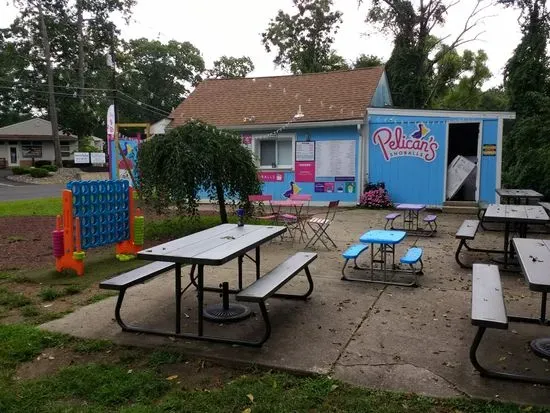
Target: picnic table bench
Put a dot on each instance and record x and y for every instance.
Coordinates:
(489, 311)
(467, 232)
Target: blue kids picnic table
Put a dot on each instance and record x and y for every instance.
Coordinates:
(385, 242)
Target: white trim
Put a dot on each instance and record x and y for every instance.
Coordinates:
(359, 160)
(441, 113)
(296, 125)
(446, 162)
(282, 136)
(500, 140)
(478, 165)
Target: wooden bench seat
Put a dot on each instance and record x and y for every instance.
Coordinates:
(352, 253)
(136, 276)
(390, 218)
(268, 285)
(489, 311)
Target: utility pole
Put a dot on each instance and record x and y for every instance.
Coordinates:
(53, 109)
(80, 27)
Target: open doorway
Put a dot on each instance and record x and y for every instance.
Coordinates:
(462, 161)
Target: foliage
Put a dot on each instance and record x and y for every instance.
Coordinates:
(86, 144)
(39, 173)
(175, 167)
(367, 61)
(159, 75)
(31, 207)
(411, 67)
(527, 81)
(375, 196)
(20, 170)
(303, 41)
(228, 67)
(50, 168)
(42, 163)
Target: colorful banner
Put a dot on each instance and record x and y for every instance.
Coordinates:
(120, 169)
(304, 171)
(271, 176)
(110, 134)
(324, 186)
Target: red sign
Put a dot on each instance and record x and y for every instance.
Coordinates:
(271, 176)
(304, 171)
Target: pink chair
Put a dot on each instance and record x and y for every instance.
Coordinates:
(259, 199)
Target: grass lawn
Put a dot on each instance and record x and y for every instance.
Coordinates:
(134, 380)
(31, 207)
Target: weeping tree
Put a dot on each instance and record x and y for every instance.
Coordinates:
(176, 167)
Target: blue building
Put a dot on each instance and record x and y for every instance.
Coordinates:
(327, 134)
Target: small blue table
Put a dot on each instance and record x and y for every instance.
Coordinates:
(386, 241)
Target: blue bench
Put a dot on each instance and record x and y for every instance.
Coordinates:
(390, 218)
(431, 221)
(353, 253)
(412, 257)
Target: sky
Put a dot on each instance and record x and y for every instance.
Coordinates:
(234, 27)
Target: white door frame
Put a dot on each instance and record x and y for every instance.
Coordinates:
(16, 147)
(478, 165)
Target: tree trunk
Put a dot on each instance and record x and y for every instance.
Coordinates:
(221, 203)
(53, 109)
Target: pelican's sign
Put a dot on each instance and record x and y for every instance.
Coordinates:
(394, 143)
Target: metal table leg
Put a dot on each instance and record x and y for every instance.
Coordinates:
(178, 298)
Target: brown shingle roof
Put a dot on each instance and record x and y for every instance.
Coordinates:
(271, 100)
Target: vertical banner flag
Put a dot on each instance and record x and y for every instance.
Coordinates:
(110, 136)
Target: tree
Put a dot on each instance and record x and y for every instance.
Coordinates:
(228, 67)
(175, 167)
(416, 50)
(367, 61)
(303, 41)
(155, 77)
(527, 81)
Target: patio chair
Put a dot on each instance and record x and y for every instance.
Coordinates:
(257, 200)
(305, 215)
(319, 226)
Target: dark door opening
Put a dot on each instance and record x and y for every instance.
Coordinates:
(464, 141)
(13, 156)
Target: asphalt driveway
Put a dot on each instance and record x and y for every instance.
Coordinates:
(11, 191)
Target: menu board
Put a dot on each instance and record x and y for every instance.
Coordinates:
(305, 151)
(335, 158)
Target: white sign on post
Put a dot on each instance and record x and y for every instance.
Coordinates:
(82, 157)
(97, 157)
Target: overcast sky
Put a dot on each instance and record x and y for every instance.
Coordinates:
(233, 27)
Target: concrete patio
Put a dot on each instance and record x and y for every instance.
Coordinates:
(387, 337)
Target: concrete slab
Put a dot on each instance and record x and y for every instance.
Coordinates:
(409, 339)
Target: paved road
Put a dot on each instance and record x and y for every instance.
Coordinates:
(10, 191)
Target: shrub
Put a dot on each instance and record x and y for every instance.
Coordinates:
(50, 168)
(20, 170)
(41, 164)
(375, 196)
(39, 173)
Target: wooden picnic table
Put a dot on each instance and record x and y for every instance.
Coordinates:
(522, 215)
(214, 246)
(534, 257)
(517, 195)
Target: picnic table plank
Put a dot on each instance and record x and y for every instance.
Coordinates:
(534, 257)
(214, 246)
(534, 214)
(545, 205)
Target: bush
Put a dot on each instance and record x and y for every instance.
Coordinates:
(20, 170)
(41, 164)
(50, 168)
(68, 164)
(375, 196)
(39, 173)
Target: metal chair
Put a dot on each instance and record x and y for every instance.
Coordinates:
(319, 226)
(304, 212)
(259, 199)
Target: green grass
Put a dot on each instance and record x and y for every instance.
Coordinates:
(32, 207)
(99, 297)
(10, 299)
(49, 294)
(122, 387)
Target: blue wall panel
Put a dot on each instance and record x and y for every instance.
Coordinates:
(408, 154)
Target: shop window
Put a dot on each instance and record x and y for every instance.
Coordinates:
(65, 150)
(275, 153)
(31, 149)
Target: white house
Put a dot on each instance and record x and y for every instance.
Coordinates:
(22, 142)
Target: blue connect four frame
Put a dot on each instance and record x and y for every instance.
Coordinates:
(103, 210)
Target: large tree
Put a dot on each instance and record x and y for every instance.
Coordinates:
(364, 60)
(228, 67)
(527, 82)
(303, 41)
(417, 51)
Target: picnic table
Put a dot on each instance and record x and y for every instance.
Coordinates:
(214, 246)
(516, 196)
(411, 213)
(517, 215)
(534, 257)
